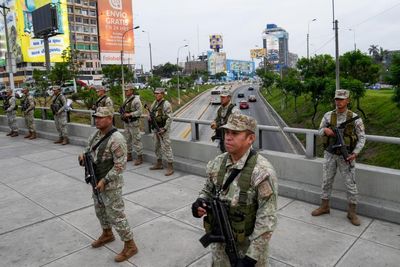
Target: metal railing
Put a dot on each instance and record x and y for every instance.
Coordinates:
(310, 140)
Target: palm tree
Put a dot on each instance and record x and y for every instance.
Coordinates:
(373, 50)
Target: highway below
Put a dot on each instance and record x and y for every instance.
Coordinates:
(201, 109)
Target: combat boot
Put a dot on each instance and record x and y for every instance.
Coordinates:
(65, 141)
(129, 157)
(322, 209)
(10, 133)
(33, 136)
(128, 251)
(14, 134)
(28, 135)
(170, 169)
(352, 216)
(59, 141)
(139, 160)
(106, 237)
(157, 166)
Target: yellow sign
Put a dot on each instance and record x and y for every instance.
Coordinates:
(28, 49)
(257, 53)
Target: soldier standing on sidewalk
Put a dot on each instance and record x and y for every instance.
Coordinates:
(10, 107)
(59, 109)
(103, 100)
(354, 139)
(28, 108)
(162, 111)
(131, 111)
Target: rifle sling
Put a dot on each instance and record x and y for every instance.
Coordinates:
(127, 102)
(156, 107)
(343, 124)
(100, 99)
(235, 172)
(113, 130)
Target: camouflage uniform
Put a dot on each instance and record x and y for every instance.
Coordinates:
(132, 128)
(262, 193)
(112, 212)
(60, 117)
(104, 101)
(28, 107)
(333, 161)
(163, 144)
(11, 112)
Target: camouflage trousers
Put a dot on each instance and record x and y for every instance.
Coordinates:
(162, 146)
(331, 163)
(132, 136)
(61, 124)
(112, 213)
(12, 120)
(220, 259)
(30, 121)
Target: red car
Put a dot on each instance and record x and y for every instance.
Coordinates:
(243, 104)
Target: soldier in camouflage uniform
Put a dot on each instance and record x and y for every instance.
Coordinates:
(10, 106)
(354, 138)
(59, 109)
(223, 113)
(103, 100)
(131, 111)
(162, 142)
(252, 194)
(110, 159)
(28, 108)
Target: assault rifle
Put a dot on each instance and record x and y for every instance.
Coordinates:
(90, 176)
(221, 229)
(217, 135)
(339, 144)
(152, 121)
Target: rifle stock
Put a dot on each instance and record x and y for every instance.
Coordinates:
(152, 120)
(90, 176)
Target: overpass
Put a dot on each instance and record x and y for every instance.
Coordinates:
(299, 175)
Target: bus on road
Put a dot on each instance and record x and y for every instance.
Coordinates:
(215, 96)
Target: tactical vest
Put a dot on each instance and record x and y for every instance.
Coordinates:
(7, 104)
(223, 120)
(160, 117)
(350, 137)
(57, 104)
(101, 102)
(25, 103)
(101, 168)
(243, 216)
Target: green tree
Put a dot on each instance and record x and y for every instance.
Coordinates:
(292, 85)
(268, 78)
(166, 71)
(219, 75)
(357, 89)
(394, 77)
(317, 66)
(154, 81)
(356, 65)
(373, 51)
(41, 83)
(113, 73)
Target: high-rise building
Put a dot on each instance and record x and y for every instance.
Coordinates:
(276, 43)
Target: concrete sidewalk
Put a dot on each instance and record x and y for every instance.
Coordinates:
(47, 219)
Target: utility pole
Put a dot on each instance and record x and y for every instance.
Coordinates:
(4, 12)
(337, 55)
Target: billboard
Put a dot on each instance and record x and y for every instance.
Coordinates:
(216, 42)
(216, 62)
(257, 53)
(272, 42)
(116, 31)
(240, 66)
(23, 46)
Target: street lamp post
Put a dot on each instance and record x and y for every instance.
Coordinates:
(122, 61)
(308, 37)
(354, 38)
(151, 58)
(177, 65)
(336, 29)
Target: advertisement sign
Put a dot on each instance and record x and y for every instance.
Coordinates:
(22, 44)
(116, 31)
(216, 62)
(257, 53)
(272, 49)
(216, 42)
(240, 66)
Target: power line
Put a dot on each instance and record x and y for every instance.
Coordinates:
(380, 13)
(327, 42)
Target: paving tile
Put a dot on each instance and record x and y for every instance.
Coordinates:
(86, 221)
(21, 171)
(204, 261)
(185, 215)
(163, 198)
(194, 182)
(55, 191)
(369, 254)
(15, 151)
(130, 166)
(71, 149)
(17, 211)
(283, 201)
(99, 257)
(134, 181)
(45, 155)
(40, 243)
(336, 220)
(300, 244)
(77, 172)
(64, 163)
(7, 163)
(275, 263)
(384, 233)
(165, 242)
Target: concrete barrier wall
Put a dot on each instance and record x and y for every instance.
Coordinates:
(299, 177)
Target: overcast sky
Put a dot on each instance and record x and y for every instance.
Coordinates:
(174, 23)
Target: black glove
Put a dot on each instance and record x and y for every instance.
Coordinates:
(246, 262)
(197, 204)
